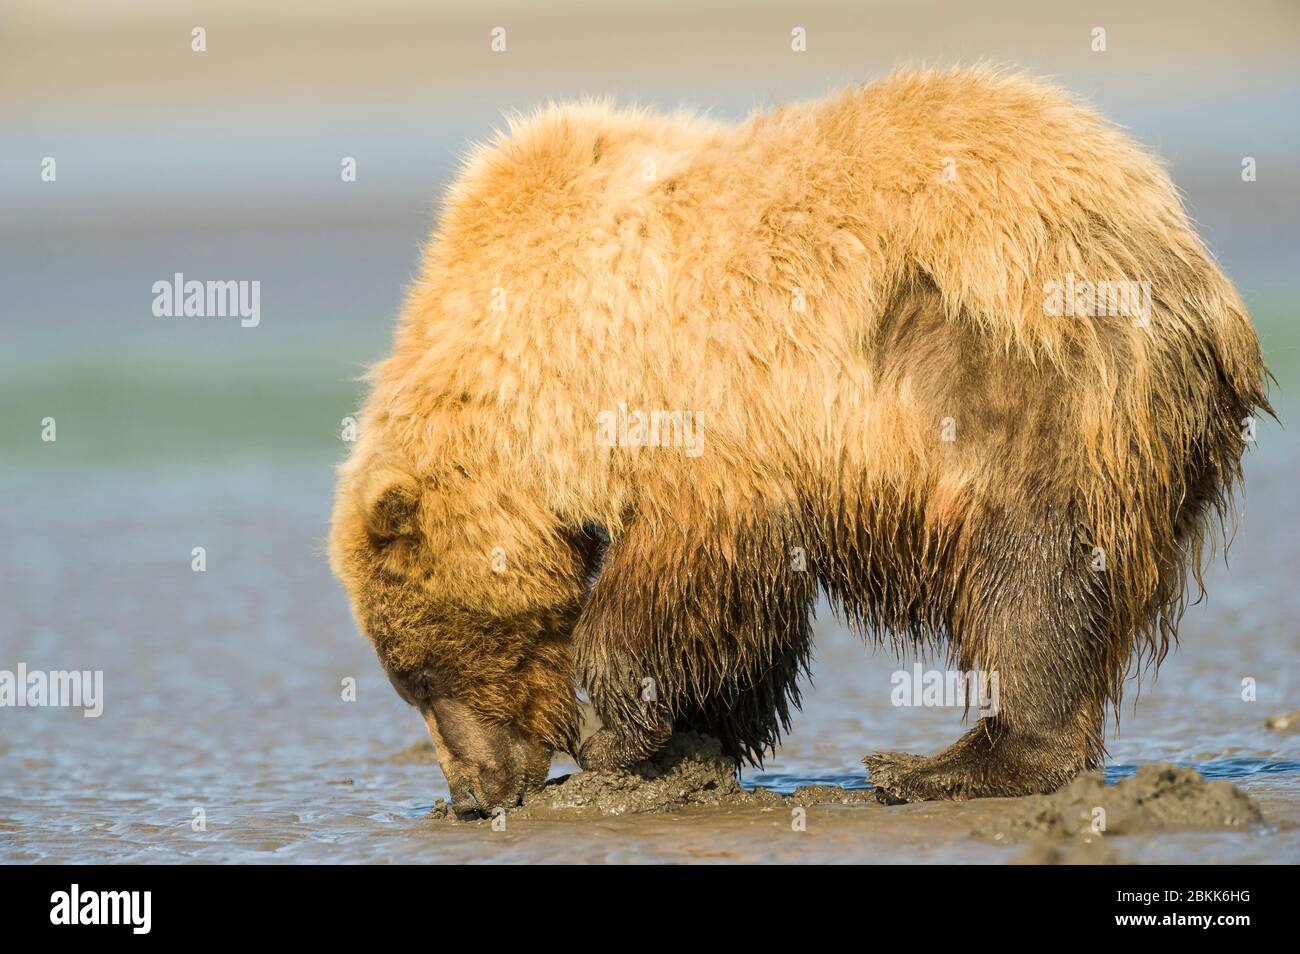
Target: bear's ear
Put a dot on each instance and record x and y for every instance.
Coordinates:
(390, 503)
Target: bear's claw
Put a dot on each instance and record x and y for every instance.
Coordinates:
(891, 776)
(981, 764)
(899, 777)
(600, 753)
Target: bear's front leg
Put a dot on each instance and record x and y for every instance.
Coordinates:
(624, 689)
(684, 633)
(616, 750)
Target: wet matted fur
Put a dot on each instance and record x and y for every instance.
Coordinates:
(849, 297)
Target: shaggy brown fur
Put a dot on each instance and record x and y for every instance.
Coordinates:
(850, 297)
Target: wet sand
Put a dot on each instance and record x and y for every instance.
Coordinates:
(1087, 822)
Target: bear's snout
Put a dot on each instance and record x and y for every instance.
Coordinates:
(488, 767)
(480, 790)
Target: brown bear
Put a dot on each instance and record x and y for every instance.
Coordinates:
(944, 347)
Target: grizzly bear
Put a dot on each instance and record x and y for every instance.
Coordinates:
(945, 348)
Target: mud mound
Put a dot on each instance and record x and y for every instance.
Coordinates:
(1157, 798)
(691, 770)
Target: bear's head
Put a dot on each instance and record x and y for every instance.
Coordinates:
(488, 669)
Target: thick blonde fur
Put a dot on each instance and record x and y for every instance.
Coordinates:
(849, 296)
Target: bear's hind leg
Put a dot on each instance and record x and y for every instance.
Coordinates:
(1030, 615)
